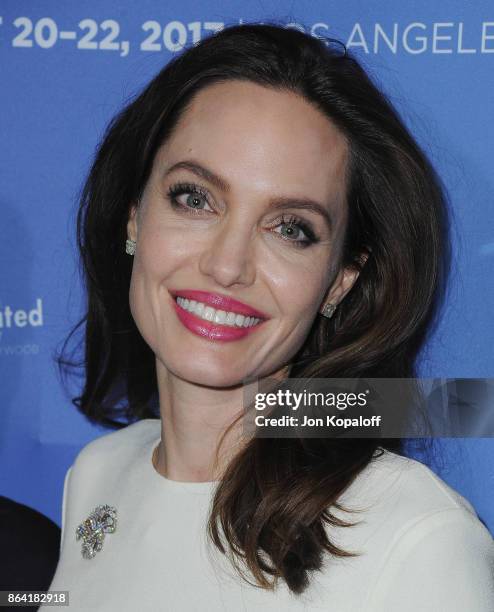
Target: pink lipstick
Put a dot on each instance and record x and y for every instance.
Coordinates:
(212, 330)
(218, 301)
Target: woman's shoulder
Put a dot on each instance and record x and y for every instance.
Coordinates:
(428, 534)
(418, 486)
(413, 532)
(118, 447)
(395, 495)
(103, 470)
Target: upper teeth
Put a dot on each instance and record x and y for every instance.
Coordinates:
(208, 313)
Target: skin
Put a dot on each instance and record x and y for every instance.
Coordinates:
(265, 144)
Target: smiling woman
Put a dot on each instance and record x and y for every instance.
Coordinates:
(251, 233)
(279, 221)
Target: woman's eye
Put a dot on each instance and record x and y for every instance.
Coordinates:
(195, 197)
(190, 198)
(291, 231)
(297, 231)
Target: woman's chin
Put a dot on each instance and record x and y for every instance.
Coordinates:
(217, 377)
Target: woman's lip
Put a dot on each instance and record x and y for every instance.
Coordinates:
(212, 331)
(217, 300)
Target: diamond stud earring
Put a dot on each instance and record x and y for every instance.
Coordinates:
(130, 247)
(328, 310)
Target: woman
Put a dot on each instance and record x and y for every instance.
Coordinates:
(279, 221)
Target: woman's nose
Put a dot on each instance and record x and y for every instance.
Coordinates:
(229, 257)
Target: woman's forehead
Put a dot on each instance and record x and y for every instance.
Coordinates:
(253, 133)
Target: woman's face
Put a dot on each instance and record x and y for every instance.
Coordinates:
(238, 162)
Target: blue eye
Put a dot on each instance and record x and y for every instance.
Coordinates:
(294, 225)
(195, 194)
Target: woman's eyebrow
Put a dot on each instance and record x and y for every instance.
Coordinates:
(201, 171)
(277, 203)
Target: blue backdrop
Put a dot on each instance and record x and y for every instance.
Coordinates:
(66, 68)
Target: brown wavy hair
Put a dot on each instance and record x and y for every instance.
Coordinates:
(273, 505)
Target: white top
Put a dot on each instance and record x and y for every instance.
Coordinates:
(425, 550)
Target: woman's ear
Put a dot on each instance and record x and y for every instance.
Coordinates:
(132, 223)
(344, 281)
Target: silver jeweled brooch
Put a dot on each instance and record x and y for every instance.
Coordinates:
(102, 519)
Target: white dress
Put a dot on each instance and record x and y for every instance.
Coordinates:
(424, 548)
